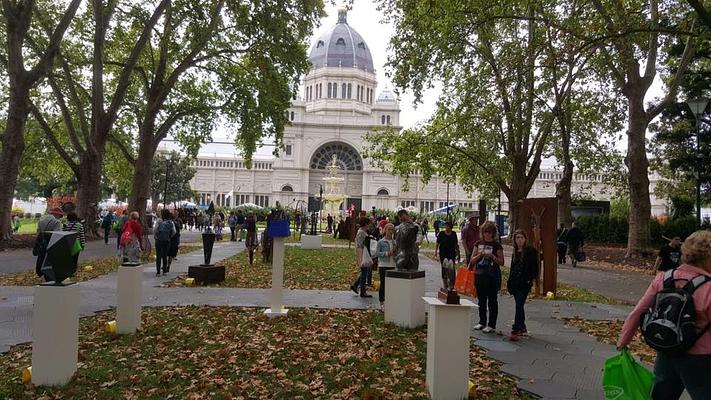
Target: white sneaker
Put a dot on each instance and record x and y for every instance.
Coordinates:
(488, 329)
(478, 327)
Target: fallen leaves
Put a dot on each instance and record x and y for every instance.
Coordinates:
(609, 331)
(237, 353)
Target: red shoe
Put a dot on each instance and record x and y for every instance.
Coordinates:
(513, 337)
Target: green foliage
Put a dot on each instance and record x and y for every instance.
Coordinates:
(620, 208)
(613, 229)
(681, 207)
(179, 173)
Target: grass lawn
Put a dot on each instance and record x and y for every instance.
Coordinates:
(228, 353)
(328, 268)
(326, 238)
(609, 331)
(27, 226)
(100, 266)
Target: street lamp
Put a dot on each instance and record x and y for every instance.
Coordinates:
(697, 107)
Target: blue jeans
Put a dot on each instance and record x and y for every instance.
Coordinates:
(362, 279)
(673, 374)
(520, 316)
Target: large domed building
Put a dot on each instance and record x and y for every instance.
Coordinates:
(339, 103)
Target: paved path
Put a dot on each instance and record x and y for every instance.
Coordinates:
(557, 362)
(19, 260)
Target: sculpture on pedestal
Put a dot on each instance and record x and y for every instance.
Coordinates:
(406, 243)
(449, 275)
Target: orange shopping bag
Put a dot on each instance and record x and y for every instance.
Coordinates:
(464, 284)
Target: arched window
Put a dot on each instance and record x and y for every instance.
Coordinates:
(343, 91)
(347, 156)
(387, 120)
(291, 116)
(349, 90)
(335, 90)
(383, 192)
(329, 90)
(340, 42)
(319, 44)
(382, 119)
(287, 188)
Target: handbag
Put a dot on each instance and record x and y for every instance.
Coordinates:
(580, 256)
(367, 260)
(465, 283)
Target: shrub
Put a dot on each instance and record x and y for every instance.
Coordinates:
(18, 211)
(28, 215)
(38, 215)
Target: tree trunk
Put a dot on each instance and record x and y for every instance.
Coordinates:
(638, 241)
(563, 193)
(141, 183)
(89, 189)
(13, 145)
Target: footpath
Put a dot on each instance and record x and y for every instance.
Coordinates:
(556, 362)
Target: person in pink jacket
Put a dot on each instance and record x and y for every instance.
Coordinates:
(691, 371)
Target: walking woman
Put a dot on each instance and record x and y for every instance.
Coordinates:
(676, 372)
(363, 259)
(131, 240)
(524, 269)
(250, 224)
(447, 247)
(73, 225)
(386, 259)
(163, 232)
(486, 262)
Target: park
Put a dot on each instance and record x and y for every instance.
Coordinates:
(355, 200)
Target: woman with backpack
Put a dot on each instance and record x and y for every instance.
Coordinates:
(524, 269)
(487, 259)
(163, 232)
(685, 365)
(131, 246)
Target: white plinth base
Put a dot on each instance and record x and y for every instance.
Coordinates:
(129, 298)
(274, 314)
(448, 331)
(403, 301)
(55, 332)
(311, 242)
(277, 297)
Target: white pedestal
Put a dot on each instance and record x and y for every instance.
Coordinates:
(403, 298)
(277, 296)
(448, 332)
(311, 242)
(55, 332)
(129, 299)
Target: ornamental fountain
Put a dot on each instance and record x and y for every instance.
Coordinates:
(334, 187)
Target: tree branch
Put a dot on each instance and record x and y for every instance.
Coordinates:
(53, 139)
(123, 149)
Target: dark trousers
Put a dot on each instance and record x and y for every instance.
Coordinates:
(381, 290)
(162, 255)
(362, 279)
(118, 238)
(107, 232)
(673, 374)
(562, 249)
(487, 293)
(232, 233)
(520, 315)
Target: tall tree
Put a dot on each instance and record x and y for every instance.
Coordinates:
(17, 19)
(90, 129)
(238, 62)
(496, 116)
(626, 48)
(171, 178)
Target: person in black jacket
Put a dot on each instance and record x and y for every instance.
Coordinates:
(524, 269)
(575, 242)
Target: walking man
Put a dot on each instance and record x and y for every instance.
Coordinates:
(232, 222)
(575, 242)
(240, 221)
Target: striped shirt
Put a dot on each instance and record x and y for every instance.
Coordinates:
(79, 228)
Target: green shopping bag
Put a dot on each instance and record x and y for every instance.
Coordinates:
(625, 379)
(76, 248)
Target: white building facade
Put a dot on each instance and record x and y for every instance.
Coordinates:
(337, 108)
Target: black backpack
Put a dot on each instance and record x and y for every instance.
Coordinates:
(670, 326)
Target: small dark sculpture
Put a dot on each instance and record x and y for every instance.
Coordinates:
(406, 243)
(447, 292)
(313, 224)
(208, 237)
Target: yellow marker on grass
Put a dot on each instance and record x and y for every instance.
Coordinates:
(88, 268)
(110, 327)
(26, 375)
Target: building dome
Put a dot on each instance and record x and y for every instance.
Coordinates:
(386, 96)
(341, 46)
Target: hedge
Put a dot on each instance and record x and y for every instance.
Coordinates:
(606, 229)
